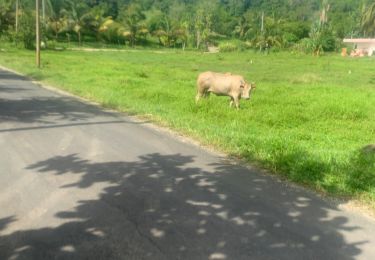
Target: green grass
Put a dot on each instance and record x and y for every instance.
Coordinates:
(309, 119)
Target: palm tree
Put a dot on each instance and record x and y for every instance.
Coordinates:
(56, 22)
(271, 36)
(131, 17)
(57, 25)
(182, 33)
(78, 17)
(109, 29)
(164, 30)
(244, 25)
(97, 19)
(368, 20)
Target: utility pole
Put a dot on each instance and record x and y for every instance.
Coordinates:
(37, 33)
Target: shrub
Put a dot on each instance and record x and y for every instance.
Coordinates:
(235, 45)
(328, 40)
(51, 44)
(305, 45)
(27, 30)
(228, 47)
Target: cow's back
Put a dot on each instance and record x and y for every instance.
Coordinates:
(219, 83)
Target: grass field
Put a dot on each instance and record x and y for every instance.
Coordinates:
(310, 119)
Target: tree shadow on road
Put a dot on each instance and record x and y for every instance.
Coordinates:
(165, 207)
(360, 171)
(54, 112)
(4, 222)
(23, 102)
(47, 110)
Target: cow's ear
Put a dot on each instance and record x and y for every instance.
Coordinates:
(253, 85)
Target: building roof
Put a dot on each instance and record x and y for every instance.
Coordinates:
(359, 40)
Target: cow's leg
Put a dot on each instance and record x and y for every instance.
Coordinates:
(198, 96)
(237, 102)
(231, 102)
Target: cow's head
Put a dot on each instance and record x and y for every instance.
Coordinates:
(246, 89)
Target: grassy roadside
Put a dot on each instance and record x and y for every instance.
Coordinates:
(311, 119)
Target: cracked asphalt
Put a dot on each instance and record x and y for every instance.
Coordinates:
(80, 182)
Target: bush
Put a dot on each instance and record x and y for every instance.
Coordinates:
(244, 45)
(248, 45)
(27, 30)
(51, 44)
(228, 47)
(235, 45)
(289, 39)
(328, 40)
(306, 45)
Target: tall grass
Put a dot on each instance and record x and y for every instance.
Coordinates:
(310, 119)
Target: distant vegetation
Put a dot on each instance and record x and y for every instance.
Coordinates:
(311, 26)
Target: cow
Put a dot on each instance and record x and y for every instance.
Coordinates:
(223, 84)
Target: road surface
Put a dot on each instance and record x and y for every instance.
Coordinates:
(79, 182)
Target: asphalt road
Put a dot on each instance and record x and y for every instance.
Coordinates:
(78, 182)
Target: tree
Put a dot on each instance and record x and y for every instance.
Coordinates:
(57, 25)
(242, 27)
(78, 16)
(271, 35)
(131, 17)
(368, 20)
(203, 27)
(5, 15)
(246, 24)
(27, 28)
(182, 33)
(57, 21)
(96, 18)
(17, 14)
(197, 22)
(111, 30)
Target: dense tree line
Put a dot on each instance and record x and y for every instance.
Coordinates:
(313, 25)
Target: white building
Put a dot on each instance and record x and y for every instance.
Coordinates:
(362, 46)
